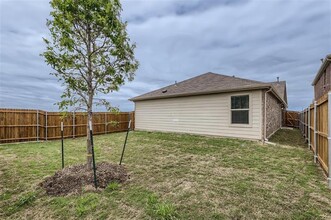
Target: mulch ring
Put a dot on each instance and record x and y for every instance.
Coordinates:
(75, 179)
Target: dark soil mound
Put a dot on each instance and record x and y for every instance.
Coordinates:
(74, 179)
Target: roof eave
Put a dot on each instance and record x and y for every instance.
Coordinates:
(201, 93)
(274, 91)
(326, 61)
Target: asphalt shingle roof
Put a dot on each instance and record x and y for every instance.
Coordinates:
(210, 83)
(280, 88)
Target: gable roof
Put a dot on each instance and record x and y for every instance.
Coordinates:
(280, 88)
(210, 83)
(325, 64)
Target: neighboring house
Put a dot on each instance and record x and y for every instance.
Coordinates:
(214, 104)
(322, 81)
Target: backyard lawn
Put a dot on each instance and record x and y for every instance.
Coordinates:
(172, 176)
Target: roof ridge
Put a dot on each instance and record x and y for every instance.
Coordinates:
(176, 83)
(194, 77)
(235, 77)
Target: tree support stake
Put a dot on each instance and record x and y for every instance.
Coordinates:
(62, 150)
(126, 138)
(93, 157)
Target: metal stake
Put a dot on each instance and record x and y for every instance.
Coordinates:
(126, 138)
(93, 158)
(62, 151)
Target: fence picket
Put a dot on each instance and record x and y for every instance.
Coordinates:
(316, 130)
(30, 125)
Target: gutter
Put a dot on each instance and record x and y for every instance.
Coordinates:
(200, 93)
(265, 115)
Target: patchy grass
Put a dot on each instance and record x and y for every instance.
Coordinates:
(160, 210)
(113, 186)
(289, 137)
(173, 176)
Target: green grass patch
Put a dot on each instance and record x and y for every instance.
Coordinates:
(22, 201)
(113, 186)
(86, 204)
(160, 210)
(172, 176)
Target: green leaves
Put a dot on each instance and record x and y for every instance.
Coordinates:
(89, 49)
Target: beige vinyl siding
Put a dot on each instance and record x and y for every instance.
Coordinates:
(205, 114)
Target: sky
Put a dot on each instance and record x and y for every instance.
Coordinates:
(177, 40)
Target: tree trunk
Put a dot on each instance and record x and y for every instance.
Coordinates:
(90, 100)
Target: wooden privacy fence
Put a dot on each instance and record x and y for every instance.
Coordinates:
(291, 119)
(34, 125)
(315, 123)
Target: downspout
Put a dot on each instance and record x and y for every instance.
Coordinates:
(329, 139)
(265, 114)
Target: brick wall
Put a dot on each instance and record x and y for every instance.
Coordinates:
(274, 114)
(323, 85)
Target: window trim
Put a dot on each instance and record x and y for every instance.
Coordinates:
(243, 109)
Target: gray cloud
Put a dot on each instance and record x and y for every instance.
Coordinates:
(177, 40)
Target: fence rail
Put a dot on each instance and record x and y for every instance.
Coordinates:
(33, 125)
(315, 123)
(291, 118)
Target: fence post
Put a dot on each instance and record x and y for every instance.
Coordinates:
(303, 123)
(300, 122)
(315, 132)
(46, 127)
(105, 122)
(133, 120)
(307, 124)
(309, 127)
(329, 139)
(73, 125)
(37, 125)
(281, 117)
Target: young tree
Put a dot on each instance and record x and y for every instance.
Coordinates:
(90, 52)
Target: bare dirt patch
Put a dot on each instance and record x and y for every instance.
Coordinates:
(75, 179)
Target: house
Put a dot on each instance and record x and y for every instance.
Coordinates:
(322, 81)
(214, 104)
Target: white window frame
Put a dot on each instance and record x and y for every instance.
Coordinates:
(249, 109)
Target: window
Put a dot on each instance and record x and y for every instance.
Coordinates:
(240, 109)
